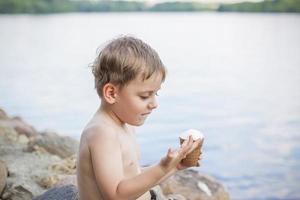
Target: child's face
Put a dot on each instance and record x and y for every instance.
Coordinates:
(136, 100)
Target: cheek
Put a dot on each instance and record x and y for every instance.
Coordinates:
(133, 105)
(137, 105)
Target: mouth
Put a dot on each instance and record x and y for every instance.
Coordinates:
(145, 114)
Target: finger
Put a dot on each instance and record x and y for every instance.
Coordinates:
(185, 142)
(190, 142)
(190, 139)
(196, 144)
(188, 149)
(193, 146)
(169, 152)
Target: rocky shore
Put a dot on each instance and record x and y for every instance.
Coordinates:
(33, 162)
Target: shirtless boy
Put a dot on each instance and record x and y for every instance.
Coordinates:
(128, 73)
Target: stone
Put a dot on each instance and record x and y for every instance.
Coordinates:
(25, 169)
(3, 114)
(8, 135)
(194, 185)
(175, 197)
(3, 176)
(23, 139)
(62, 146)
(66, 180)
(17, 192)
(20, 126)
(65, 166)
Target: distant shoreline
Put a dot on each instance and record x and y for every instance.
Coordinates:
(68, 6)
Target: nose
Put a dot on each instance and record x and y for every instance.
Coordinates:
(153, 104)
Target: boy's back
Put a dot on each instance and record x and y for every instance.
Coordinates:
(97, 135)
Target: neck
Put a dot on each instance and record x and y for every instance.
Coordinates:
(107, 111)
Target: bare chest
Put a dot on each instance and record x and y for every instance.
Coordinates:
(130, 155)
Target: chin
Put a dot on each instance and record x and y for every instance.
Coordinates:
(138, 123)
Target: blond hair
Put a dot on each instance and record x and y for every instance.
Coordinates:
(122, 60)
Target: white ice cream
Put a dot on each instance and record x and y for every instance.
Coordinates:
(195, 134)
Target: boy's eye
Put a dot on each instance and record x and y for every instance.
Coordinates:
(147, 96)
(144, 97)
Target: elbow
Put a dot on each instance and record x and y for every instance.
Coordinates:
(116, 195)
(122, 193)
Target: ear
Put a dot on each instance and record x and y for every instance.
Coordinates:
(109, 92)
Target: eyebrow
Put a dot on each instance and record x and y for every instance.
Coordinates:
(150, 91)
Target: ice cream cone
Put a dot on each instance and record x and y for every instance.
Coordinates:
(192, 158)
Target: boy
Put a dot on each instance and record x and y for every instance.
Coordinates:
(128, 73)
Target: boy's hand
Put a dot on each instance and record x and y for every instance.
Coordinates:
(174, 157)
(182, 166)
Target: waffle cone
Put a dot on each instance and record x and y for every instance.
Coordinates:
(192, 158)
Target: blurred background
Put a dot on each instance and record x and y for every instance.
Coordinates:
(233, 73)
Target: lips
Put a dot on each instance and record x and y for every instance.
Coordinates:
(146, 114)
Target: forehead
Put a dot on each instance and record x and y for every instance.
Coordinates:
(151, 84)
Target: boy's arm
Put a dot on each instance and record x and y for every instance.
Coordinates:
(167, 175)
(106, 158)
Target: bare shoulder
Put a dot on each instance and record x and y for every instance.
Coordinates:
(98, 133)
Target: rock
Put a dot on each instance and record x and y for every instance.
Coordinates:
(47, 181)
(194, 185)
(66, 180)
(175, 197)
(68, 192)
(65, 166)
(3, 114)
(59, 172)
(63, 146)
(23, 139)
(159, 193)
(3, 176)
(19, 125)
(8, 135)
(25, 169)
(17, 192)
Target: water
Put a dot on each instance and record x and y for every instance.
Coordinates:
(236, 77)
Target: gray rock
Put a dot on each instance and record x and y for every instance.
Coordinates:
(68, 192)
(17, 192)
(194, 185)
(66, 180)
(3, 114)
(3, 176)
(62, 146)
(19, 125)
(25, 169)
